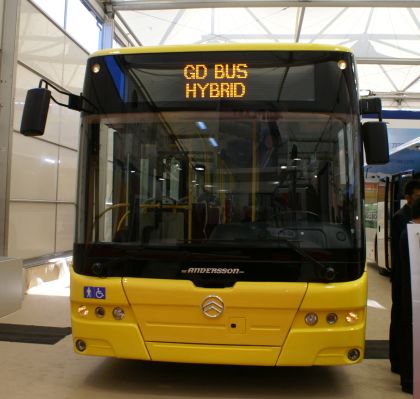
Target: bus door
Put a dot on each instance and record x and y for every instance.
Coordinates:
(390, 200)
(381, 227)
(398, 183)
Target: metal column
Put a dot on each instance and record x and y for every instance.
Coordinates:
(108, 27)
(8, 62)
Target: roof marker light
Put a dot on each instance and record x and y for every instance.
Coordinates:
(342, 64)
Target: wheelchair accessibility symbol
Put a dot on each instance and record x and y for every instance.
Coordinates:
(94, 292)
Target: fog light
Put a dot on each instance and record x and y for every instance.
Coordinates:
(332, 318)
(311, 319)
(80, 345)
(100, 312)
(352, 317)
(118, 313)
(353, 354)
(83, 310)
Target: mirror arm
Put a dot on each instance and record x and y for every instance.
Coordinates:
(75, 102)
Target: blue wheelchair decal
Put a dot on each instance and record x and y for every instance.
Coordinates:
(94, 292)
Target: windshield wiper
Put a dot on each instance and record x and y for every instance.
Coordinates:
(100, 268)
(326, 272)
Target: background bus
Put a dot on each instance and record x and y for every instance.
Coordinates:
(219, 213)
(384, 190)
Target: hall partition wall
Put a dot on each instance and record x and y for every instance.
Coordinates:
(43, 169)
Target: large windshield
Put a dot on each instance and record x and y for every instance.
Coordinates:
(275, 168)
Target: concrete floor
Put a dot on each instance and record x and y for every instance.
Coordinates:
(54, 371)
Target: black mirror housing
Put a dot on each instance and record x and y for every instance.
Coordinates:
(375, 139)
(369, 106)
(35, 112)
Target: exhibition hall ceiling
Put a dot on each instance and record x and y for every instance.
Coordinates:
(385, 37)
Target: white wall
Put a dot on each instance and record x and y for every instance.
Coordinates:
(1, 19)
(43, 172)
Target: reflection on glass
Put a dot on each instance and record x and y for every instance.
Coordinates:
(285, 177)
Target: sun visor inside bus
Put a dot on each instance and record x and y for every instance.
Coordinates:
(35, 111)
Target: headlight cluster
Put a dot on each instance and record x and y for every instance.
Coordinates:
(312, 318)
(100, 312)
(350, 318)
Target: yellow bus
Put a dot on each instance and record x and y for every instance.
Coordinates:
(219, 215)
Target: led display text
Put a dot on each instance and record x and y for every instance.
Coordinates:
(216, 81)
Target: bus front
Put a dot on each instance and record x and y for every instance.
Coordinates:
(219, 207)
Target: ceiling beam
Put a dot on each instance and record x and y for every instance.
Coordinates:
(183, 4)
(388, 61)
(130, 35)
(258, 21)
(97, 6)
(299, 23)
(172, 26)
(385, 95)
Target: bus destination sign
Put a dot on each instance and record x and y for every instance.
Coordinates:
(215, 81)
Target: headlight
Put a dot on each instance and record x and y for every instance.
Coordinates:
(332, 318)
(118, 313)
(311, 319)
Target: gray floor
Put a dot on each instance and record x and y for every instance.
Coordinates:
(54, 371)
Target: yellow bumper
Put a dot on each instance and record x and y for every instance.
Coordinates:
(320, 344)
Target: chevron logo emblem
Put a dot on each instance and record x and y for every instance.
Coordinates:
(212, 306)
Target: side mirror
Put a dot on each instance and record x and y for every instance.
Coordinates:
(35, 112)
(375, 140)
(372, 105)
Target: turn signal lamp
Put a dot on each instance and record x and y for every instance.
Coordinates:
(83, 310)
(352, 317)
